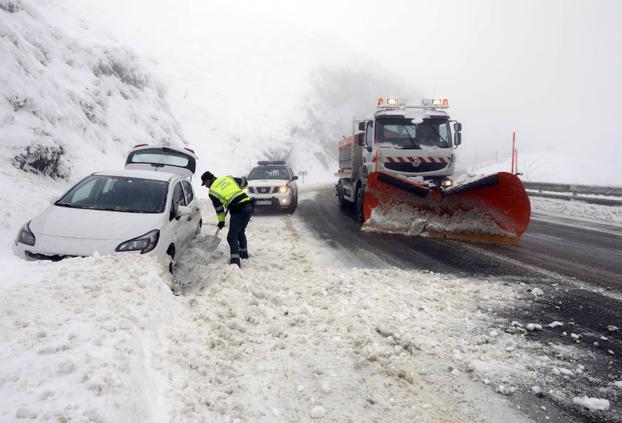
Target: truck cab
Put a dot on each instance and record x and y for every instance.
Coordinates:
(411, 141)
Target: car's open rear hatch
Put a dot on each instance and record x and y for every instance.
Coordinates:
(162, 159)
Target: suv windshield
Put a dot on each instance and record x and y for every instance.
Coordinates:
(116, 193)
(403, 133)
(268, 172)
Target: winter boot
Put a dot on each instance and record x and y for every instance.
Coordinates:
(243, 254)
(236, 261)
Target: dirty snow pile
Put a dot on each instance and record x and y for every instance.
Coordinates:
(399, 219)
(70, 97)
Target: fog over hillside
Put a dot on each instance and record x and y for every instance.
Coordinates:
(247, 78)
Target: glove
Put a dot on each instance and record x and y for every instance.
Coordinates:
(221, 225)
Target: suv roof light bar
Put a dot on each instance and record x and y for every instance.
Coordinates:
(271, 162)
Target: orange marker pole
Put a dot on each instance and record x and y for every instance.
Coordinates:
(513, 151)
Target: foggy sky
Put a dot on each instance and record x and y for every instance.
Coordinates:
(551, 70)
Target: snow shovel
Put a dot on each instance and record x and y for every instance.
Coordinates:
(216, 239)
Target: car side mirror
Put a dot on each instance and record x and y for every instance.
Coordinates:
(360, 139)
(183, 211)
(457, 127)
(295, 178)
(457, 138)
(361, 126)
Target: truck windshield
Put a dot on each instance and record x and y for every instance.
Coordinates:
(403, 133)
(116, 193)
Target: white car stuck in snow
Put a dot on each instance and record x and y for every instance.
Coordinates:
(148, 208)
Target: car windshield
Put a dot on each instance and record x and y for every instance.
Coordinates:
(117, 193)
(268, 172)
(403, 133)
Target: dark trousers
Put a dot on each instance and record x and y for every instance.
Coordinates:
(237, 226)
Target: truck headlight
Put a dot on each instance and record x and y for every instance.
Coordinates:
(144, 243)
(25, 236)
(446, 183)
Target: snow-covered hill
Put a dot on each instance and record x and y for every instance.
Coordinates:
(69, 105)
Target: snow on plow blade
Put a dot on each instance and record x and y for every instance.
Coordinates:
(492, 208)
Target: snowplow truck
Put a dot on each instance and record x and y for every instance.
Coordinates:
(396, 169)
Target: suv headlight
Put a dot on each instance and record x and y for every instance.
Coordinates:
(25, 236)
(144, 243)
(284, 188)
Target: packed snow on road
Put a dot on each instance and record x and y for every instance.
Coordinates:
(294, 335)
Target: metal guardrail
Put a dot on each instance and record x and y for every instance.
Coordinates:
(577, 192)
(575, 189)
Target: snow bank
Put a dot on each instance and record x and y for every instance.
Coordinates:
(79, 340)
(577, 209)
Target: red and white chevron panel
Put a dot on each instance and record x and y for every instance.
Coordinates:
(422, 159)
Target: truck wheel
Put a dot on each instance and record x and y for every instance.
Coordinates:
(343, 203)
(360, 196)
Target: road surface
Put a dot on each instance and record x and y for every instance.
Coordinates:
(576, 262)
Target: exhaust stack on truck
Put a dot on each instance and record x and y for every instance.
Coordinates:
(395, 171)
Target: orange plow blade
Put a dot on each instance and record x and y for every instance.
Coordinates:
(493, 208)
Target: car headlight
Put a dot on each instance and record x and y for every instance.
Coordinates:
(144, 243)
(283, 188)
(25, 235)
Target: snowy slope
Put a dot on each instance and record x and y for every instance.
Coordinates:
(69, 105)
(565, 168)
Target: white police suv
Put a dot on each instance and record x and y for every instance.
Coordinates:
(273, 185)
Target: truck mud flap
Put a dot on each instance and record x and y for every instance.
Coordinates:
(493, 208)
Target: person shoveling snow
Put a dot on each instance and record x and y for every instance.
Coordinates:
(227, 195)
